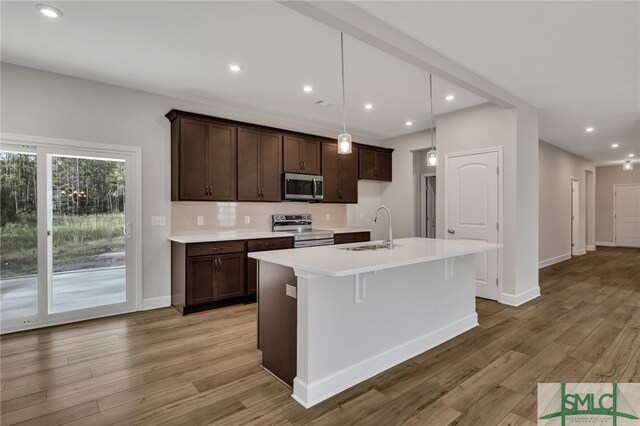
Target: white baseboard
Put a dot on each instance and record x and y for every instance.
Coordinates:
(519, 299)
(605, 243)
(554, 260)
(156, 302)
(309, 394)
(580, 252)
(591, 248)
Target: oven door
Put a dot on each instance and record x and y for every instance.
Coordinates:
(301, 187)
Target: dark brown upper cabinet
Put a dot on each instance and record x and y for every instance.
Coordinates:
(259, 165)
(340, 174)
(203, 161)
(374, 164)
(301, 155)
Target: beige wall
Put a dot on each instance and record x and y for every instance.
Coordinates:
(516, 132)
(39, 103)
(606, 177)
(557, 168)
(400, 194)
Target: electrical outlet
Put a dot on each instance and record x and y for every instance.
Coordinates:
(158, 221)
(200, 220)
(247, 219)
(328, 217)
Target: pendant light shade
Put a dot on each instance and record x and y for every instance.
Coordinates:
(432, 156)
(344, 138)
(628, 165)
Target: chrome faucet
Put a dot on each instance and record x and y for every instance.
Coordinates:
(388, 242)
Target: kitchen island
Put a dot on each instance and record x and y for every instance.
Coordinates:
(331, 317)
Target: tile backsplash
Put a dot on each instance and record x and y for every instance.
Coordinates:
(231, 215)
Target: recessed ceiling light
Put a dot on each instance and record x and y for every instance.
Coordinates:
(449, 98)
(589, 129)
(408, 123)
(307, 89)
(368, 106)
(49, 11)
(235, 67)
(614, 145)
(631, 155)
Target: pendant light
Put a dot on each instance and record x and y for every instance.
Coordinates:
(432, 157)
(628, 165)
(344, 138)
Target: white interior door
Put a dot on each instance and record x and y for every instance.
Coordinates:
(575, 218)
(471, 191)
(627, 215)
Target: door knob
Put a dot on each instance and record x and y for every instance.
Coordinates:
(451, 231)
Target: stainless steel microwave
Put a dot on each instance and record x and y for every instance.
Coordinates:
(302, 187)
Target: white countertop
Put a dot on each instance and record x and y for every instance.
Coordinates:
(331, 261)
(242, 234)
(211, 236)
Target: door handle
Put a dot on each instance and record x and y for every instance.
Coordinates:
(451, 231)
(313, 188)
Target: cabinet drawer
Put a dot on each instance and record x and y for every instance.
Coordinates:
(270, 244)
(219, 247)
(352, 237)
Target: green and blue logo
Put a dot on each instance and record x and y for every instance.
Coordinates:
(588, 406)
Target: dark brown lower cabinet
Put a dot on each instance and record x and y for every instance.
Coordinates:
(351, 237)
(263, 244)
(201, 280)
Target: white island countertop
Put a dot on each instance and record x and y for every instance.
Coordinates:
(334, 262)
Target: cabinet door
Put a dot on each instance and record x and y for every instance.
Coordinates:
(193, 160)
(291, 154)
(349, 176)
(200, 280)
(248, 165)
(222, 162)
(271, 166)
(331, 173)
(383, 162)
(229, 276)
(367, 164)
(310, 156)
(252, 276)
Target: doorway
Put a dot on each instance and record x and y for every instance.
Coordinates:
(575, 218)
(627, 215)
(428, 205)
(472, 203)
(68, 246)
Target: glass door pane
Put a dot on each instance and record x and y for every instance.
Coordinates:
(88, 227)
(18, 235)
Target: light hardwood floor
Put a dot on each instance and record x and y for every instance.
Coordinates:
(156, 367)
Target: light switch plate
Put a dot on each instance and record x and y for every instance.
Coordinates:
(200, 220)
(247, 219)
(328, 217)
(158, 221)
(291, 291)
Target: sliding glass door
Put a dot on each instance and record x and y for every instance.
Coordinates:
(68, 251)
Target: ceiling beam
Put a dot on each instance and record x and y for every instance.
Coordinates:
(357, 23)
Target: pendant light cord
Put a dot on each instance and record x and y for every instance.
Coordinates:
(431, 108)
(344, 120)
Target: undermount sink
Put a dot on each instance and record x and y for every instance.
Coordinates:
(366, 247)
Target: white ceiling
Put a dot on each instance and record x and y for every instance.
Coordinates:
(577, 62)
(183, 49)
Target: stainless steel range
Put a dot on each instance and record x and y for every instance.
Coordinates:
(303, 234)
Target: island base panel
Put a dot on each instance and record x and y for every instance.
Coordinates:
(277, 320)
(352, 328)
